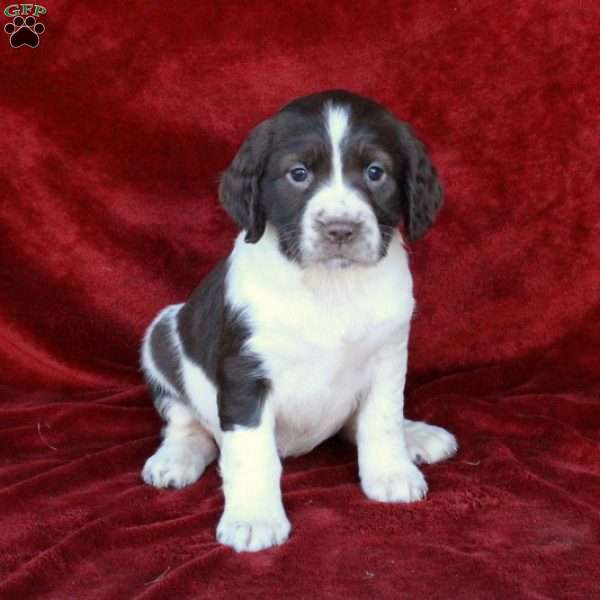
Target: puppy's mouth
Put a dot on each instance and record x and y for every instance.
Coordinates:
(338, 262)
(342, 258)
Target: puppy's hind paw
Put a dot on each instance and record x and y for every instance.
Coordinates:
(428, 443)
(173, 466)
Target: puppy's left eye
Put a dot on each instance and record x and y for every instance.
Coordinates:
(375, 172)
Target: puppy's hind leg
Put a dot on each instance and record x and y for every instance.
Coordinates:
(425, 443)
(187, 447)
(186, 450)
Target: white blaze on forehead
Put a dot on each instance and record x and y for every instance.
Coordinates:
(338, 200)
(338, 121)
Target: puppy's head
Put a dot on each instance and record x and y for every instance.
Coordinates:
(335, 174)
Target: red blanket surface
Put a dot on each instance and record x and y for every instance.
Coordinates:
(113, 132)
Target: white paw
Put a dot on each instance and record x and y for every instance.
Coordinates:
(405, 484)
(173, 465)
(253, 534)
(428, 443)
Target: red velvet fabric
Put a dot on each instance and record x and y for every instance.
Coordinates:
(113, 132)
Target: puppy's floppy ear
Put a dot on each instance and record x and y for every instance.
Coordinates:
(423, 191)
(239, 190)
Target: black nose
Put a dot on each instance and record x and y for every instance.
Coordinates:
(339, 232)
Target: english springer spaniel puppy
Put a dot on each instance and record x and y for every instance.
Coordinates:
(302, 331)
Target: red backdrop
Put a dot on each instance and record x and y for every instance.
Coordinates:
(113, 133)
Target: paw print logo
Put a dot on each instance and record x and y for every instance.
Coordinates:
(24, 32)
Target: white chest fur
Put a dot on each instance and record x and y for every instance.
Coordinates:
(316, 332)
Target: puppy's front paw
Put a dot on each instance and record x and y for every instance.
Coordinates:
(253, 534)
(428, 443)
(173, 466)
(405, 484)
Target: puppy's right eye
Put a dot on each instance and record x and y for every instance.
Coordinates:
(298, 174)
